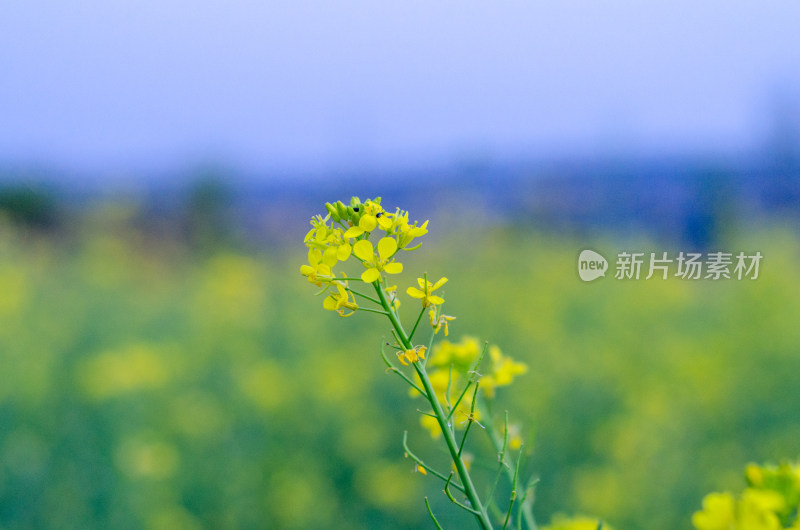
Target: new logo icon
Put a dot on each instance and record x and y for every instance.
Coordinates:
(591, 265)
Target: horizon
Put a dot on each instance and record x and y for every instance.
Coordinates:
(150, 88)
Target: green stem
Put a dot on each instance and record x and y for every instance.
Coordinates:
(363, 296)
(430, 512)
(414, 329)
(469, 488)
(419, 462)
(368, 310)
(500, 446)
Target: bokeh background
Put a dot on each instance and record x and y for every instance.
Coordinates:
(164, 365)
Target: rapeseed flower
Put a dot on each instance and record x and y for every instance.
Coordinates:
(319, 266)
(328, 239)
(383, 262)
(396, 224)
(464, 354)
(404, 231)
(332, 244)
(413, 355)
(769, 503)
(460, 354)
(425, 291)
(368, 212)
(440, 321)
(718, 513)
(451, 385)
(503, 371)
(391, 222)
(367, 223)
(340, 300)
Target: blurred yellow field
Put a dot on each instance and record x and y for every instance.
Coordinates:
(143, 385)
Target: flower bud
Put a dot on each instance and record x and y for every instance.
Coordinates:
(341, 209)
(332, 210)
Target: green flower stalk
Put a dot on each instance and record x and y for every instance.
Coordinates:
(446, 375)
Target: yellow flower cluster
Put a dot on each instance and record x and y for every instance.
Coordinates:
(439, 381)
(770, 502)
(462, 356)
(345, 232)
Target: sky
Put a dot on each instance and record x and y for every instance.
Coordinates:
(265, 87)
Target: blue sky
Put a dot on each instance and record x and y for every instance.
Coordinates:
(134, 85)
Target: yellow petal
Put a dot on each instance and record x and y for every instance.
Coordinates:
(401, 357)
(307, 270)
(329, 303)
(420, 230)
(353, 231)
(386, 247)
(343, 252)
(323, 269)
(329, 256)
(421, 283)
(439, 283)
(414, 292)
(363, 249)
(385, 222)
(438, 300)
(370, 275)
(314, 256)
(393, 268)
(367, 223)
